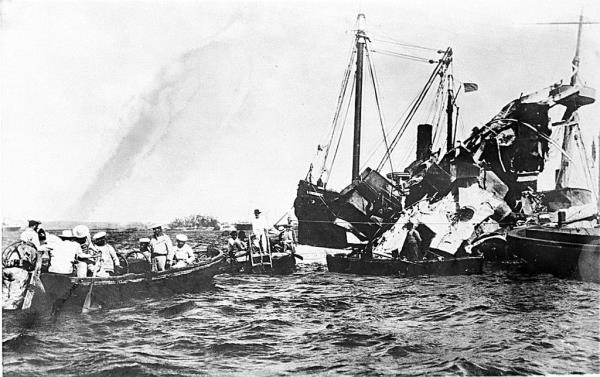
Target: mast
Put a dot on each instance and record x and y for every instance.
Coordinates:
(360, 44)
(449, 108)
(562, 180)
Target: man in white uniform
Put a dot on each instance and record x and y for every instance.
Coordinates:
(161, 246)
(63, 253)
(182, 254)
(30, 234)
(87, 255)
(108, 258)
(260, 229)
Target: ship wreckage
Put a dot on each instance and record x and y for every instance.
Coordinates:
(462, 201)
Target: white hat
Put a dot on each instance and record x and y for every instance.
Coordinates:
(145, 239)
(99, 235)
(181, 237)
(81, 231)
(67, 233)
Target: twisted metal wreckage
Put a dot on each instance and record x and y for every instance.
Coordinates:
(468, 196)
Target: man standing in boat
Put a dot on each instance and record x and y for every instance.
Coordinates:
(413, 242)
(260, 229)
(108, 258)
(161, 246)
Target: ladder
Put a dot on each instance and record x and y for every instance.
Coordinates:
(260, 258)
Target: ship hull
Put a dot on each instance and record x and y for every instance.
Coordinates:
(315, 209)
(566, 253)
(341, 263)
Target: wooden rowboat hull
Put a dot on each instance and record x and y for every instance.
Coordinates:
(282, 265)
(395, 267)
(110, 291)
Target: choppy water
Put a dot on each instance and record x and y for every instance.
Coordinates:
(314, 322)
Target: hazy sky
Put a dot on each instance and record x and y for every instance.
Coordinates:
(147, 110)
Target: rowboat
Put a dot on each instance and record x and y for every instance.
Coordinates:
(59, 290)
(563, 252)
(274, 263)
(344, 263)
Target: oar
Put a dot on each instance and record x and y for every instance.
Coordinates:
(298, 256)
(35, 277)
(87, 304)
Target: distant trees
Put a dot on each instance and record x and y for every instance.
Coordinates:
(195, 221)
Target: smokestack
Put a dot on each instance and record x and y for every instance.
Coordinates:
(424, 141)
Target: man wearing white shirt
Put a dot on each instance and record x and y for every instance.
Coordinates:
(182, 255)
(63, 253)
(31, 233)
(161, 246)
(260, 229)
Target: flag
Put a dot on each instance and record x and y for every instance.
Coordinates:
(470, 87)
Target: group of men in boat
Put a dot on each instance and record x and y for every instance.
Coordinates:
(76, 250)
(260, 240)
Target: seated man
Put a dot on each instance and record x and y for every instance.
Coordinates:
(108, 256)
(87, 256)
(288, 239)
(30, 234)
(145, 247)
(234, 244)
(62, 253)
(182, 254)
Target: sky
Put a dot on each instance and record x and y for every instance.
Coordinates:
(151, 110)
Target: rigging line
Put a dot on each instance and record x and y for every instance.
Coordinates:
(341, 96)
(396, 42)
(419, 101)
(584, 160)
(379, 112)
(341, 131)
(437, 113)
(401, 55)
(420, 98)
(396, 124)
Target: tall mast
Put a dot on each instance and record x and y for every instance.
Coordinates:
(563, 174)
(449, 108)
(360, 44)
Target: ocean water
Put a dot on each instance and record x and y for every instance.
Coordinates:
(318, 323)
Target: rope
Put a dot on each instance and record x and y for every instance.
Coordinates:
(341, 132)
(379, 112)
(398, 43)
(404, 56)
(340, 102)
(413, 110)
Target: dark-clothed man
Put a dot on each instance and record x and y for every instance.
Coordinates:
(412, 243)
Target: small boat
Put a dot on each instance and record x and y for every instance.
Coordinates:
(345, 263)
(563, 252)
(273, 263)
(58, 290)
